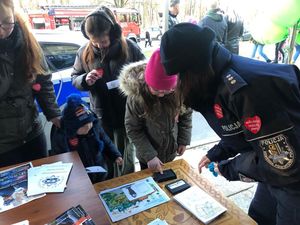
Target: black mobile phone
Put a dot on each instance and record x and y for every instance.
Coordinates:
(177, 186)
(167, 175)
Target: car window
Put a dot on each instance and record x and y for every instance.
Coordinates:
(59, 55)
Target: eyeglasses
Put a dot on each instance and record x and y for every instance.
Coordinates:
(7, 26)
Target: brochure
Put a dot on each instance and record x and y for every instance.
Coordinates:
(75, 215)
(13, 187)
(48, 178)
(147, 194)
(200, 204)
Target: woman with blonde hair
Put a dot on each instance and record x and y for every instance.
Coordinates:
(24, 78)
(96, 69)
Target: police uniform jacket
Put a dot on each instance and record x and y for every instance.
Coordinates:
(256, 112)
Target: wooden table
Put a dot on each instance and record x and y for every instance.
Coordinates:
(79, 191)
(172, 212)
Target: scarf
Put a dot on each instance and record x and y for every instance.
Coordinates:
(13, 42)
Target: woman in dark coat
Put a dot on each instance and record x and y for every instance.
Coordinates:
(24, 78)
(96, 69)
(254, 107)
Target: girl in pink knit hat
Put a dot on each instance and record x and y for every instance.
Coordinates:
(156, 121)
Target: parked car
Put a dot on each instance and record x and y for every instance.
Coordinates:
(60, 48)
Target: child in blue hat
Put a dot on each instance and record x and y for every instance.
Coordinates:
(80, 131)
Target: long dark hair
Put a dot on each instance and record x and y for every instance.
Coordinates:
(96, 26)
(199, 86)
(172, 103)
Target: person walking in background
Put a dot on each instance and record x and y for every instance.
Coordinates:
(96, 69)
(279, 53)
(259, 47)
(254, 108)
(156, 121)
(24, 78)
(148, 40)
(235, 29)
(173, 13)
(81, 131)
(216, 21)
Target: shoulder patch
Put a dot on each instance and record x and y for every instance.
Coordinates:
(233, 81)
(278, 152)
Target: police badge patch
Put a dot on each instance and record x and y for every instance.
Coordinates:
(278, 152)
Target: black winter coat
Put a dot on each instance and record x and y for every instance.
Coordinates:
(255, 111)
(106, 101)
(94, 148)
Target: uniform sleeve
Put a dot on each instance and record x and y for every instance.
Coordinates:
(135, 128)
(79, 74)
(269, 129)
(228, 148)
(110, 149)
(274, 161)
(185, 128)
(46, 96)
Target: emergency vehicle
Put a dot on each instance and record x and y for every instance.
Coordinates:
(70, 18)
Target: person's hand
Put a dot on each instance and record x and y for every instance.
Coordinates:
(155, 165)
(119, 161)
(181, 149)
(203, 162)
(56, 121)
(92, 77)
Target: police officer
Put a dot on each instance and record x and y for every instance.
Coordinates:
(254, 107)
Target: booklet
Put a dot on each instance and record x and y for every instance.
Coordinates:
(200, 204)
(13, 187)
(130, 199)
(48, 178)
(75, 215)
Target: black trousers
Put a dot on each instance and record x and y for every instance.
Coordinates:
(34, 149)
(275, 206)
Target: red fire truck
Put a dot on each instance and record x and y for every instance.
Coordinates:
(70, 17)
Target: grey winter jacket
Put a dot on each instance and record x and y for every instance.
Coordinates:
(216, 21)
(19, 120)
(158, 136)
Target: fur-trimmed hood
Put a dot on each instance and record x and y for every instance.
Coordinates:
(132, 78)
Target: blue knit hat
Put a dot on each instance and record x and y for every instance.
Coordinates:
(76, 114)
